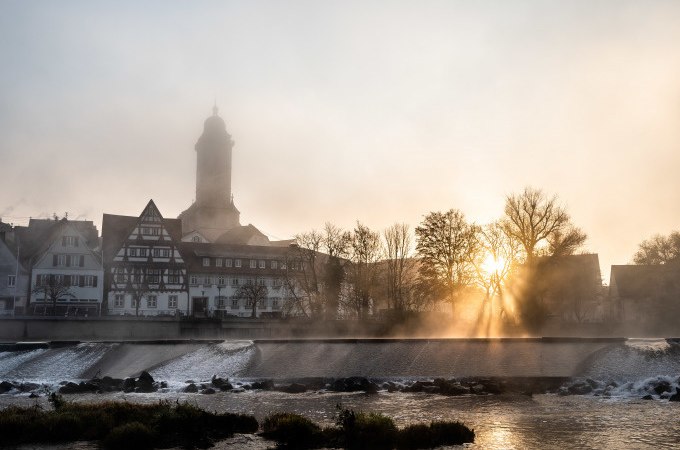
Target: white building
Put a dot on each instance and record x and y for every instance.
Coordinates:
(145, 272)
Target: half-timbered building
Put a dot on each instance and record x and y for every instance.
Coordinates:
(145, 272)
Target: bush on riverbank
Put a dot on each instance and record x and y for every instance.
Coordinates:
(359, 430)
(119, 424)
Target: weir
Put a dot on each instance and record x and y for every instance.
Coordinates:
(177, 361)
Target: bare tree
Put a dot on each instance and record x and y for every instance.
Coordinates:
(137, 287)
(366, 251)
(53, 288)
(397, 243)
(659, 249)
(533, 219)
(253, 291)
(446, 244)
(497, 255)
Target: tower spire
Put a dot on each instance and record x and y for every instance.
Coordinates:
(215, 110)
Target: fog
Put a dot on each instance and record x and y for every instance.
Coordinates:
(380, 112)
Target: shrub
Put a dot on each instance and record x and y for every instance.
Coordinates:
(367, 430)
(292, 430)
(131, 436)
(436, 434)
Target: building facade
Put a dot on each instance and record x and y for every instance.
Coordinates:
(225, 279)
(14, 277)
(145, 271)
(66, 270)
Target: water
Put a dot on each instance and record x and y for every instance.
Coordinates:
(612, 415)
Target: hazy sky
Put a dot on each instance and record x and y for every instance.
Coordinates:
(343, 111)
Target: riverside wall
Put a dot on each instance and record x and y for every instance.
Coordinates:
(137, 328)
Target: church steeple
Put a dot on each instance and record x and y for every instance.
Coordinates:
(213, 169)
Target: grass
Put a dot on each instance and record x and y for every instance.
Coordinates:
(360, 430)
(120, 425)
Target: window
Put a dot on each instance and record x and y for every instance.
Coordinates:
(75, 280)
(234, 282)
(156, 252)
(119, 301)
(62, 260)
(237, 263)
(133, 303)
(69, 241)
(11, 280)
(263, 264)
(194, 279)
(206, 262)
(275, 303)
(143, 252)
(234, 303)
(153, 275)
(119, 275)
(172, 302)
(277, 282)
(262, 303)
(132, 252)
(173, 276)
(220, 281)
(151, 231)
(165, 252)
(208, 281)
(151, 301)
(227, 262)
(261, 282)
(221, 302)
(218, 262)
(195, 239)
(58, 279)
(253, 264)
(275, 264)
(283, 265)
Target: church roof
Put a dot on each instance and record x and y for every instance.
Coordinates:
(245, 235)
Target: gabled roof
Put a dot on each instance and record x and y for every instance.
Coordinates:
(116, 229)
(37, 237)
(194, 252)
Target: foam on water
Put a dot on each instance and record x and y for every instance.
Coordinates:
(226, 359)
(9, 361)
(55, 364)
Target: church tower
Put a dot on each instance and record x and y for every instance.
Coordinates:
(213, 213)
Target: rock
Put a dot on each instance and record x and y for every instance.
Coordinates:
(145, 377)
(451, 387)
(267, 385)
(129, 384)
(227, 386)
(648, 397)
(663, 386)
(238, 390)
(675, 397)
(28, 387)
(69, 388)
(294, 388)
(580, 388)
(164, 384)
(6, 386)
(208, 391)
(33, 395)
(478, 389)
(191, 388)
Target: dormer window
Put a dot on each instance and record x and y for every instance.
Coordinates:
(206, 262)
(196, 239)
(69, 241)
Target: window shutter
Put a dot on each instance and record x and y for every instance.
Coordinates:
(63, 241)
(82, 260)
(94, 281)
(81, 281)
(68, 260)
(75, 241)
(54, 260)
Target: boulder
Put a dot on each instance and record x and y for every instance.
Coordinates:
(675, 397)
(69, 388)
(294, 388)
(208, 391)
(648, 397)
(661, 387)
(191, 388)
(6, 386)
(266, 385)
(145, 377)
(129, 384)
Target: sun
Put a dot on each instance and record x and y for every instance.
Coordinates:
(492, 265)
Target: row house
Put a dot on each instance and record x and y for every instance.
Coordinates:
(57, 268)
(220, 276)
(145, 271)
(14, 277)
